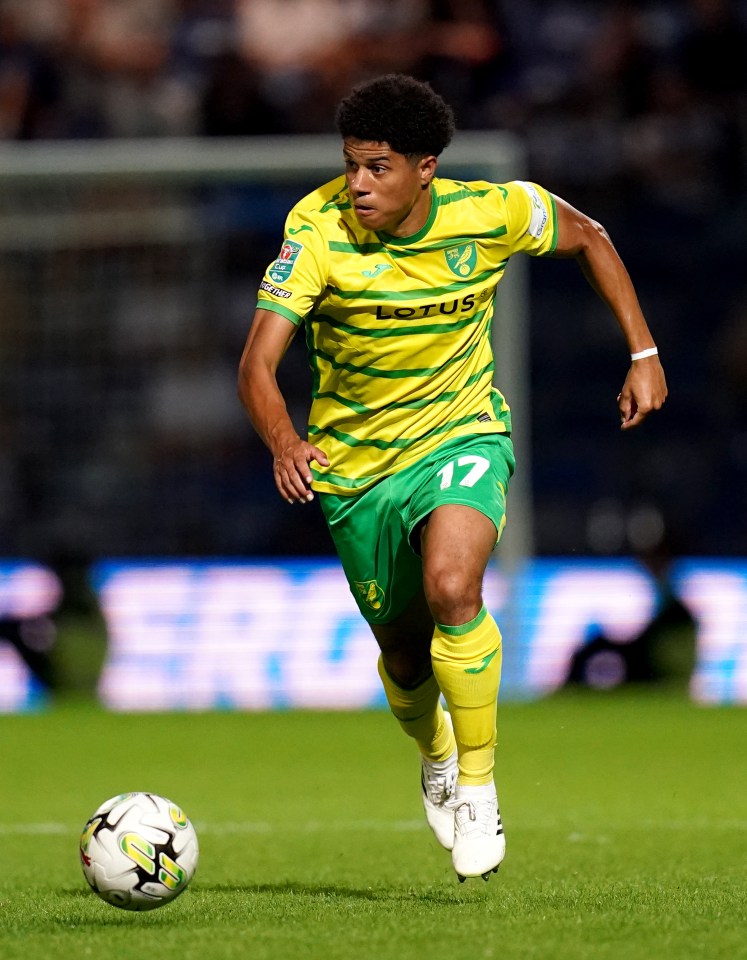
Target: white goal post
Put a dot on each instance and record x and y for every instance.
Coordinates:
(272, 160)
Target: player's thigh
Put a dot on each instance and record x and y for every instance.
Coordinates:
(472, 472)
(455, 513)
(383, 572)
(457, 542)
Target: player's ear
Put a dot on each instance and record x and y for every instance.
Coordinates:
(427, 170)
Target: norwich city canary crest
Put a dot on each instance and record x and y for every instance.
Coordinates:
(371, 593)
(462, 259)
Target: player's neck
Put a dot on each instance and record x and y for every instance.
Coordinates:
(417, 218)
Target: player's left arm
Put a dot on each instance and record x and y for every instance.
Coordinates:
(580, 237)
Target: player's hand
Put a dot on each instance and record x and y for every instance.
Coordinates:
(644, 390)
(292, 473)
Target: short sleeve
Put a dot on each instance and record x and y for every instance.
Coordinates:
(295, 278)
(531, 218)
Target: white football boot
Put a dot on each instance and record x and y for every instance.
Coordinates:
(438, 779)
(479, 845)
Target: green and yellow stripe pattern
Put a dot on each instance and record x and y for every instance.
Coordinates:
(398, 329)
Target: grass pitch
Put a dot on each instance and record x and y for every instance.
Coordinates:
(626, 823)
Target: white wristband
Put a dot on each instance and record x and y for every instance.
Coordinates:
(642, 354)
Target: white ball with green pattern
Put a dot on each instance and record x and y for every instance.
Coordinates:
(138, 851)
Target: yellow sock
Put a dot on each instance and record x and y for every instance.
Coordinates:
(420, 715)
(467, 666)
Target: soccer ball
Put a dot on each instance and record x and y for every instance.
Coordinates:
(138, 851)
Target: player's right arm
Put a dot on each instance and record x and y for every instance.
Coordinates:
(269, 337)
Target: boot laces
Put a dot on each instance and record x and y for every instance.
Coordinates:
(439, 784)
(474, 818)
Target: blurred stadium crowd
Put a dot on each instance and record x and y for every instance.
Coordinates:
(634, 111)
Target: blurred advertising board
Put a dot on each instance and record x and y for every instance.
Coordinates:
(286, 634)
(28, 592)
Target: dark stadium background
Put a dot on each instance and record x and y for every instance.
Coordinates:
(120, 431)
(634, 111)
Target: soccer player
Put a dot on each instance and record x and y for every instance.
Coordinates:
(393, 272)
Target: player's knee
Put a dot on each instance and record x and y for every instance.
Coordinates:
(406, 668)
(453, 596)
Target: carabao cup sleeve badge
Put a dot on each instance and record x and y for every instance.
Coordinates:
(282, 268)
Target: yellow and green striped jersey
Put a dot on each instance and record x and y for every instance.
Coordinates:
(398, 328)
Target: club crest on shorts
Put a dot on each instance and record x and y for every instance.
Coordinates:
(461, 260)
(370, 592)
(282, 268)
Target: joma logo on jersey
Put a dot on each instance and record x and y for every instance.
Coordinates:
(461, 260)
(461, 305)
(375, 271)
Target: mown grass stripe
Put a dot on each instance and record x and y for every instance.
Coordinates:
(228, 828)
(639, 854)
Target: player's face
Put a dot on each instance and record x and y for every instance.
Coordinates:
(389, 191)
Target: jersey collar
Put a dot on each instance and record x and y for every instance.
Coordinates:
(413, 238)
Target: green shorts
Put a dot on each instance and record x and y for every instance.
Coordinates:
(376, 534)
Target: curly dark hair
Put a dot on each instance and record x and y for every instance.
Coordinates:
(399, 110)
